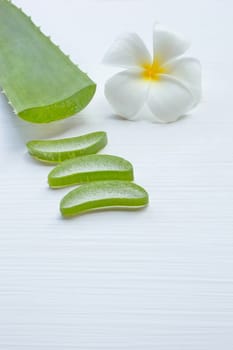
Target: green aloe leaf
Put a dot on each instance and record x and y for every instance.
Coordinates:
(94, 167)
(54, 151)
(40, 81)
(103, 194)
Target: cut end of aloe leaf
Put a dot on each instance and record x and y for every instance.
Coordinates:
(96, 167)
(54, 151)
(42, 83)
(61, 109)
(103, 195)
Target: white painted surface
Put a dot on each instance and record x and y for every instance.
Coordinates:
(159, 279)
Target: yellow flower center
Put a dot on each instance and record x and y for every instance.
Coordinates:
(153, 71)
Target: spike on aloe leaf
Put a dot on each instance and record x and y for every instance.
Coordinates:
(41, 82)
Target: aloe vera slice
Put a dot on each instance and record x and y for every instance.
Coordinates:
(40, 81)
(54, 151)
(95, 167)
(103, 194)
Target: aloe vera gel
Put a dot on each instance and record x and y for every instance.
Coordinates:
(103, 194)
(55, 151)
(90, 168)
(105, 180)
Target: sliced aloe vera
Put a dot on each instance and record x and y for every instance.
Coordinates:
(95, 167)
(103, 194)
(54, 151)
(40, 81)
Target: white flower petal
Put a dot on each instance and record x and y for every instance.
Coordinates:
(188, 71)
(169, 99)
(127, 51)
(126, 92)
(168, 45)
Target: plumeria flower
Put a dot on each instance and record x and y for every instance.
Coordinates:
(167, 86)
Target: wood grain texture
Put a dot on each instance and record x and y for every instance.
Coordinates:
(159, 279)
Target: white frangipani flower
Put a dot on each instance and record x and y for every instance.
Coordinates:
(169, 85)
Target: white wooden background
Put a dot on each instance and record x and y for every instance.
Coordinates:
(159, 279)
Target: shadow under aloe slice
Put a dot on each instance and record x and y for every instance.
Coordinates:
(55, 151)
(95, 167)
(103, 195)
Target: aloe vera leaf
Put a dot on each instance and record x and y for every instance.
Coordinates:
(103, 194)
(95, 167)
(40, 81)
(54, 151)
